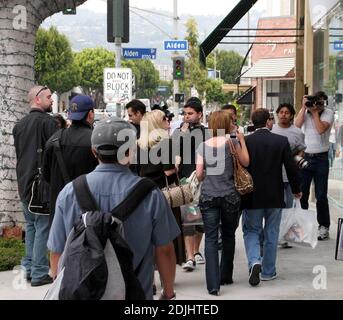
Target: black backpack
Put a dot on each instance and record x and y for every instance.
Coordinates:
(97, 258)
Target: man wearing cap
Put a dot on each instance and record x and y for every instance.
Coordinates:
(75, 146)
(30, 135)
(151, 228)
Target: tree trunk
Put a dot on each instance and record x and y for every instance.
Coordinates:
(19, 22)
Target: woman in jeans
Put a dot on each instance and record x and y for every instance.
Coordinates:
(219, 200)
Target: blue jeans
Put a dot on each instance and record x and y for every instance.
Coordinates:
(36, 237)
(213, 212)
(252, 222)
(318, 170)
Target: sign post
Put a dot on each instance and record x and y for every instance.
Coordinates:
(117, 85)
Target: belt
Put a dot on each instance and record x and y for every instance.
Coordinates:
(312, 155)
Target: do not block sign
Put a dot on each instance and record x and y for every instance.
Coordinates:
(117, 85)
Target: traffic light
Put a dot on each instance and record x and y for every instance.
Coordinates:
(339, 68)
(178, 68)
(118, 20)
(69, 7)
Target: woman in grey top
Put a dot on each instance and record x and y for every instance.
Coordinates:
(219, 200)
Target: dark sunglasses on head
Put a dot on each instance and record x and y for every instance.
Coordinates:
(42, 89)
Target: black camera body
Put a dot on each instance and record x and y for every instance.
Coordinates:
(311, 101)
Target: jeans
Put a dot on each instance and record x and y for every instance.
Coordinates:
(288, 195)
(252, 222)
(332, 153)
(36, 237)
(213, 212)
(318, 170)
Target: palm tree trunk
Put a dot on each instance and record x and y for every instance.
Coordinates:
(19, 22)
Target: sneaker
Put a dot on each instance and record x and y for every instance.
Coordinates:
(43, 281)
(274, 276)
(189, 265)
(284, 245)
(254, 274)
(323, 233)
(28, 277)
(199, 259)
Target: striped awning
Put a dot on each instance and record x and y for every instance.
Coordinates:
(270, 68)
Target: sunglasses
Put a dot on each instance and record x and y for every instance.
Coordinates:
(42, 89)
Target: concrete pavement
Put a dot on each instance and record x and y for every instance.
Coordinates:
(303, 273)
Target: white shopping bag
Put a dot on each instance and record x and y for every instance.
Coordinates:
(299, 226)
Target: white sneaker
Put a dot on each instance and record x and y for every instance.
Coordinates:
(189, 265)
(199, 259)
(323, 233)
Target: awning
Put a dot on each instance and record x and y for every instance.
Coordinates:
(270, 68)
(248, 97)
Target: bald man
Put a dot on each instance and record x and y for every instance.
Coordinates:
(30, 134)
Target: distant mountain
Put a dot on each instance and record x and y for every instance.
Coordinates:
(87, 29)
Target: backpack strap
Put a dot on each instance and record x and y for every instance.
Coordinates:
(83, 194)
(124, 209)
(57, 148)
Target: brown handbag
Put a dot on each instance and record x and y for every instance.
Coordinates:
(243, 180)
(178, 195)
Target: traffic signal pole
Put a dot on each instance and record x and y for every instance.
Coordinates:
(175, 82)
(117, 41)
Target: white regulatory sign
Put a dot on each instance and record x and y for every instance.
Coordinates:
(117, 85)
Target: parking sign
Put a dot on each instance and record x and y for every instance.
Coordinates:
(117, 85)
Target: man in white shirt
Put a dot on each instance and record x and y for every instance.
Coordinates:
(316, 121)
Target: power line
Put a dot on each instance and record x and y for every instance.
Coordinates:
(153, 12)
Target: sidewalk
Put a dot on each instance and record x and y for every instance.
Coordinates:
(296, 268)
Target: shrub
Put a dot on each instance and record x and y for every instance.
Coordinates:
(11, 252)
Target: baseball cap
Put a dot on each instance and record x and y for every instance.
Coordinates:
(110, 134)
(79, 106)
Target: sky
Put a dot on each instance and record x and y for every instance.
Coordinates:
(184, 7)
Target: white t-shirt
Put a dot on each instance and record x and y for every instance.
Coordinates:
(315, 142)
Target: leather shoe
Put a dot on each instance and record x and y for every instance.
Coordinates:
(43, 281)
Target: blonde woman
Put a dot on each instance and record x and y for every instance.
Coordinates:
(219, 200)
(156, 161)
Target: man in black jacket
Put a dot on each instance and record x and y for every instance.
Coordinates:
(268, 152)
(30, 135)
(75, 146)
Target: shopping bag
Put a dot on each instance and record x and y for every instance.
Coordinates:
(191, 215)
(339, 241)
(195, 187)
(299, 226)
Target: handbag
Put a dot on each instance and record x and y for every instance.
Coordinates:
(179, 194)
(40, 189)
(243, 180)
(339, 241)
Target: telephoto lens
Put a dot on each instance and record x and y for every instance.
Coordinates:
(301, 162)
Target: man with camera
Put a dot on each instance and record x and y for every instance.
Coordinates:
(316, 121)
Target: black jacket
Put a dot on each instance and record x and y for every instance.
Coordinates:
(34, 127)
(268, 152)
(77, 155)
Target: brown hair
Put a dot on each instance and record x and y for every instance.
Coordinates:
(220, 120)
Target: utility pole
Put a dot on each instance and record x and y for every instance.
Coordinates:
(117, 41)
(176, 82)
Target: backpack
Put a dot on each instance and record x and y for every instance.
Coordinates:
(97, 262)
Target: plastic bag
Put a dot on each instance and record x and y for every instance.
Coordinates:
(299, 226)
(195, 186)
(191, 215)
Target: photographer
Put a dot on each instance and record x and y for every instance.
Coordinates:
(316, 120)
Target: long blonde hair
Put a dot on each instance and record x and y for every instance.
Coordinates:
(152, 131)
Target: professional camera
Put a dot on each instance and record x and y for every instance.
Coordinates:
(311, 101)
(301, 162)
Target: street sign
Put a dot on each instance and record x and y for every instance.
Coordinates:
(139, 53)
(338, 45)
(175, 45)
(117, 85)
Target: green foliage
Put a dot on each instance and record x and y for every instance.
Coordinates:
(11, 252)
(54, 61)
(147, 77)
(228, 62)
(215, 93)
(92, 63)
